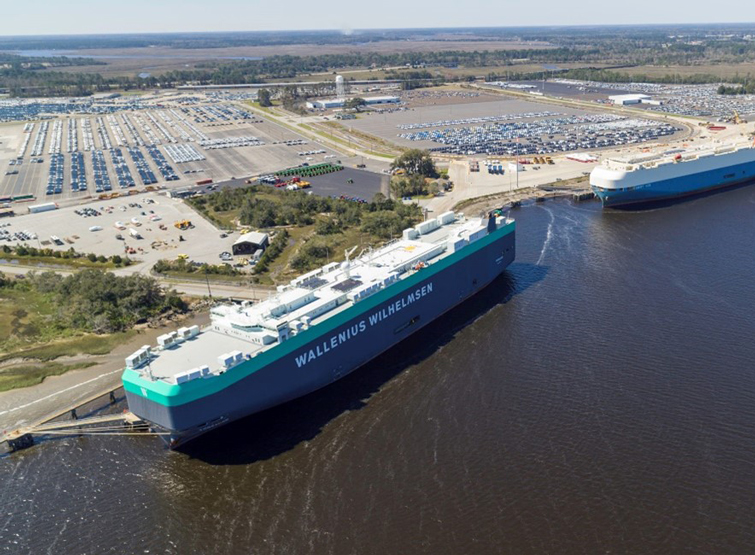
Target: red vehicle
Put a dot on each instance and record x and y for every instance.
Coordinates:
(204, 181)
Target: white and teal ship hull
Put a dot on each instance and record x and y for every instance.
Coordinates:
(625, 183)
(325, 352)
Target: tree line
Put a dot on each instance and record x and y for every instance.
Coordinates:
(95, 301)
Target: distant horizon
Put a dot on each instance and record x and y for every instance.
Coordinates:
(354, 31)
(52, 18)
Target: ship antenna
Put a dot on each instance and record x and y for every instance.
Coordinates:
(347, 264)
(349, 252)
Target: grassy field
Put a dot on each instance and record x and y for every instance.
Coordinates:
(202, 278)
(369, 144)
(281, 270)
(721, 70)
(161, 59)
(27, 330)
(82, 262)
(14, 377)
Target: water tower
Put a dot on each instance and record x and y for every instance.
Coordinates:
(340, 87)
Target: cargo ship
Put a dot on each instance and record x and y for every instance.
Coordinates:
(673, 174)
(314, 330)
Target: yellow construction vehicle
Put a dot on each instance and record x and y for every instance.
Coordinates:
(183, 224)
(737, 119)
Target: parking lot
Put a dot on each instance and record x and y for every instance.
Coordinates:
(175, 143)
(702, 101)
(350, 183)
(505, 127)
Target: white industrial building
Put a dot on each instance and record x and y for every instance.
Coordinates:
(329, 103)
(624, 99)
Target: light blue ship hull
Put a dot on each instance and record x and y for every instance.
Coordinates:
(677, 187)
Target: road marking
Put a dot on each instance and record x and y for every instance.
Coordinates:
(58, 393)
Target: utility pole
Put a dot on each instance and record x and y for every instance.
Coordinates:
(207, 279)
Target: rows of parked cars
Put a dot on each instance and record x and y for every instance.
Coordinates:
(145, 173)
(8, 235)
(162, 164)
(55, 177)
(544, 136)
(87, 212)
(180, 154)
(78, 173)
(101, 177)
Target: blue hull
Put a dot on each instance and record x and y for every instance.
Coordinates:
(678, 187)
(338, 351)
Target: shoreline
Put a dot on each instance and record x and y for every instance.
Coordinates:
(37, 403)
(24, 406)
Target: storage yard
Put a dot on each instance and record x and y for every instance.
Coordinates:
(505, 127)
(142, 227)
(701, 101)
(84, 168)
(172, 142)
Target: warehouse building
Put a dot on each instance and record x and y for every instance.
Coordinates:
(249, 243)
(625, 99)
(330, 103)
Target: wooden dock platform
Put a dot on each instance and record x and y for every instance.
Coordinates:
(124, 423)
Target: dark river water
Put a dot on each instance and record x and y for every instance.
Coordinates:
(599, 398)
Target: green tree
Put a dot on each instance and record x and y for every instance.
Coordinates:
(356, 103)
(327, 227)
(416, 161)
(263, 97)
(384, 224)
(410, 186)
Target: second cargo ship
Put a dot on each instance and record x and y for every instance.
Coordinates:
(315, 330)
(623, 182)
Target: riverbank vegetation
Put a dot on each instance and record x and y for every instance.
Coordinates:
(45, 307)
(181, 267)
(26, 255)
(46, 316)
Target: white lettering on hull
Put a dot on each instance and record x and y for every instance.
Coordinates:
(355, 329)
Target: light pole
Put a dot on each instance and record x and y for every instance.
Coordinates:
(207, 279)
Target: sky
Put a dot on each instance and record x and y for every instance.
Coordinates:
(57, 17)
